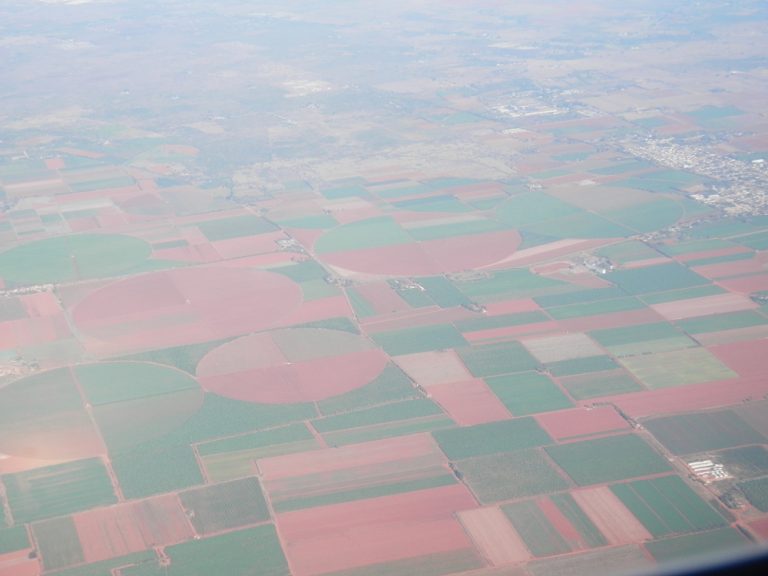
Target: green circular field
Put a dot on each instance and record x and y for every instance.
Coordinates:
(68, 258)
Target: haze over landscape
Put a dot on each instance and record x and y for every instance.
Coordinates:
(338, 288)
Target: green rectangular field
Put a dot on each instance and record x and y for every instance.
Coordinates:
(724, 540)
(225, 506)
(648, 216)
(756, 492)
(396, 411)
(414, 297)
(758, 241)
(682, 294)
(659, 278)
(628, 559)
(747, 255)
(718, 322)
(371, 233)
(667, 505)
(580, 225)
(58, 490)
(391, 385)
(628, 252)
(184, 358)
(501, 321)
(121, 381)
(419, 339)
(235, 227)
(302, 271)
(499, 477)
(608, 459)
(442, 291)
(583, 387)
(140, 563)
(491, 438)
(240, 463)
(529, 208)
(538, 533)
(13, 539)
(595, 308)
(58, 543)
(443, 203)
(590, 534)
(703, 431)
(252, 552)
(158, 466)
(351, 191)
(495, 359)
(677, 368)
(582, 365)
(528, 393)
(693, 246)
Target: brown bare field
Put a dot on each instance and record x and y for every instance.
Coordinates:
(494, 536)
(562, 347)
(432, 368)
(731, 336)
(469, 402)
(577, 422)
(120, 530)
(611, 517)
(704, 306)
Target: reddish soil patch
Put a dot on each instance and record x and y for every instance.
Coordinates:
(119, 530)
(716, 304)
(431, 257)
(511, 307)
(32, 331)
(41, 304)
(369, 454)
(494, 536)
(469, 402)
(613, 320)
(578, 422)
(746, 358)
(19, 564)
(12, 464)
(693, 396)
(55, 163)
(344, 536)
(730, 268)
(747, 284)
(711, 253)
(314, 310)
(512, 331)
(759, 528)
(199, 253)
(549, 251)
(618, 525)
(183, 306)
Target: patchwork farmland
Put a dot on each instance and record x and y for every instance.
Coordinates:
(381, 290)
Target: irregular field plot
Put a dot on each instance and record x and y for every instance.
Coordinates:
(745, 462)
(223, 506)
(677, 368)
(498, 477)
(390, 385)
(421, 339)
(608, 459)
(589, 533)
(667, 505)
(120, 381)
(59, 489)
(235, 227)
(700, 432)
(608, 383)
(625, 559)
(756, 492)
(642, 339)
(494, 536)
(58, 543)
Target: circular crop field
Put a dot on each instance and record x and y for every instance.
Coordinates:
(291, 365)
(384, 246)
(69, 258)
(183, 306)
(46, 415)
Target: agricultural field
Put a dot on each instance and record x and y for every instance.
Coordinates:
(607, 459)
(424, 293)
(703, 431)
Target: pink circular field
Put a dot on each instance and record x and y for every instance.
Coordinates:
(183, 306)
(291, 366)
(430, 257)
